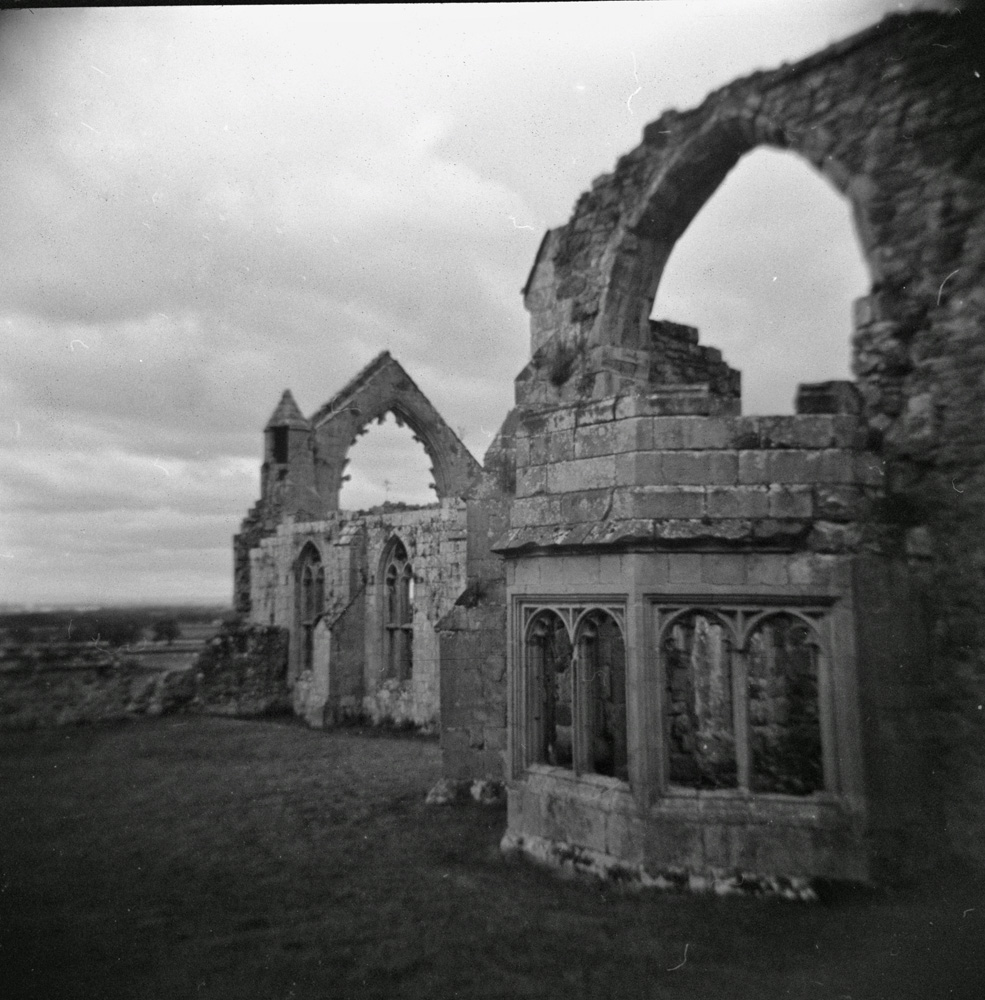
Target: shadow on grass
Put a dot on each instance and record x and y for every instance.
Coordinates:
(225, 858)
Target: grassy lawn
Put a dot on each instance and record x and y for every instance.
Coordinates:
(196, 857)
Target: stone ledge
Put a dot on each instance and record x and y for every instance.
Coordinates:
(768, 534)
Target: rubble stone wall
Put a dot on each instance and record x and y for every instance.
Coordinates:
(85, 689)
(243, 672)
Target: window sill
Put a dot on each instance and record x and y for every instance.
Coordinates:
(819, 809)
(601, 781)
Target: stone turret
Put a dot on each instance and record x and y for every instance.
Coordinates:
(287, 488)
(287, 478)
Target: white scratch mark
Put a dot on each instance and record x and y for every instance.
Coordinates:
(970, 909)
(72, 344)
(88, 126)
(6, 555)
(681, 966)
(98, 70)
(146, 225)
(953, 487)
(638, 85)
(157, 465)
(944, 282)
(512, 219)
(978, 75)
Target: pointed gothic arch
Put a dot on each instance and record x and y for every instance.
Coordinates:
(309, 602)
(384, 387)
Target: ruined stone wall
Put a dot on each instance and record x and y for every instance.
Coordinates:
(303, 485)
(243, 672)
(892, 118)
(80, 688)
(435, 539)
(473, 634)
(348, 675)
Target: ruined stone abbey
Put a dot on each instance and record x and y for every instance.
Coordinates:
(689, 641)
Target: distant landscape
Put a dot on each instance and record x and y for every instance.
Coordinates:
(110, 627)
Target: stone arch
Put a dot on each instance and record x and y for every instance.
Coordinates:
(380, 388)
(889, 126)
(684, 182)
(772, 253)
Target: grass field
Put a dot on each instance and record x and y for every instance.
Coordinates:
(215, 858)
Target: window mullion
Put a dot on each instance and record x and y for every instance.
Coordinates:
(740, 703)
(581, 734)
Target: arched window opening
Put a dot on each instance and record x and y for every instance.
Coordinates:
(550, 690)
(398, 613)
(310, 601)
(784, 717)
(387, 465)
(768, 271)
(698, 702)
(602, 670)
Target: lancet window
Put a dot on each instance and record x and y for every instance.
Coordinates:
(398, 612)
(310, 601)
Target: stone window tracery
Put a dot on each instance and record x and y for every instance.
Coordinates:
(574, 660)
(742, 707)
(398, 613)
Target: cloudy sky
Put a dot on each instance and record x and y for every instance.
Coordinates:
(204, 206)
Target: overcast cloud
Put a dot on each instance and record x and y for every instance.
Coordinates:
(204, 206)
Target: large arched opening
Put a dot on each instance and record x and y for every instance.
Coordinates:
(387, 464)
(768, 270)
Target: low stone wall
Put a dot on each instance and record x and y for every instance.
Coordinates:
(103, 688)
(243, 672)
